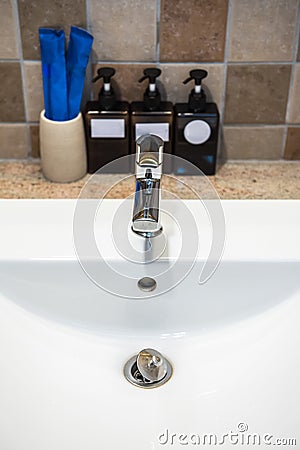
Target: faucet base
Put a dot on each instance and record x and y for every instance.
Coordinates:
(148, 234)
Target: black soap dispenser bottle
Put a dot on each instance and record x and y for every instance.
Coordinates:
(196, 130)
(107, 127)
(153, 116)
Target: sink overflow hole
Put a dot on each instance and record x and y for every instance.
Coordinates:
(147, 284)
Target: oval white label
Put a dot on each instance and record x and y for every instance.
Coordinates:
(197, 132)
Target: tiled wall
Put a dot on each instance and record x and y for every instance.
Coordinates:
(249, 47)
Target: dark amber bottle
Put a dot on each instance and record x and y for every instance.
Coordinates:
(107, 128)
(153, 116)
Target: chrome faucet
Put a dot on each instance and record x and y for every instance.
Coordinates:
(148, 172)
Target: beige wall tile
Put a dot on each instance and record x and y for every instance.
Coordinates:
(8, 31)
(42, 13)
(293, 115)
(124, 30)
(173, 75)
(292, 145)
(13, 141)
(252, 142)
(193, 30)
(33, 89)
(190, 30)
(263, 30)
(257, 93)
(11, 93)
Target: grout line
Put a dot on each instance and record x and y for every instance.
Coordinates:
(212, 63)
(226, 51)
(259, 63)
(21, 62)
(31, 61)
(10, 60)
(33, 160)
(285, 132)
(171, 63)
(88, 21)
(18, 60)
(103, 61)
(262, 161)
(297, 35)
(15, 123)
(89, 69)
(254, 125)
(158, 31)
(227, 125)
(292, 77)
(293, 125)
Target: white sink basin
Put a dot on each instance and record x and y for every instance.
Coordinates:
(233, 341)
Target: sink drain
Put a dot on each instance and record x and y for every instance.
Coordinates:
(148, 370)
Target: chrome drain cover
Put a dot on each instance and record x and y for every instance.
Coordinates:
(148, 370)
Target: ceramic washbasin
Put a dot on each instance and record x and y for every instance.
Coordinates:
(233, 341)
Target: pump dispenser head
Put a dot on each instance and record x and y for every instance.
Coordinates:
(107, 98)
(152, 95)
(197, 97)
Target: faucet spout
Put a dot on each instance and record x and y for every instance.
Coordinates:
(148, 172)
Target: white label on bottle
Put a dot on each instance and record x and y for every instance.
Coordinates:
(107, 128)
(159, 129)
(197, 132)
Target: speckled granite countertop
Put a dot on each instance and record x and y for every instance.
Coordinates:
(253, 180)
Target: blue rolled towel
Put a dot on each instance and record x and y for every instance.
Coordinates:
(78, 53)
(52, 44)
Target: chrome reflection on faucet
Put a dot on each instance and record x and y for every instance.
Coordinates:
(148, 172)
